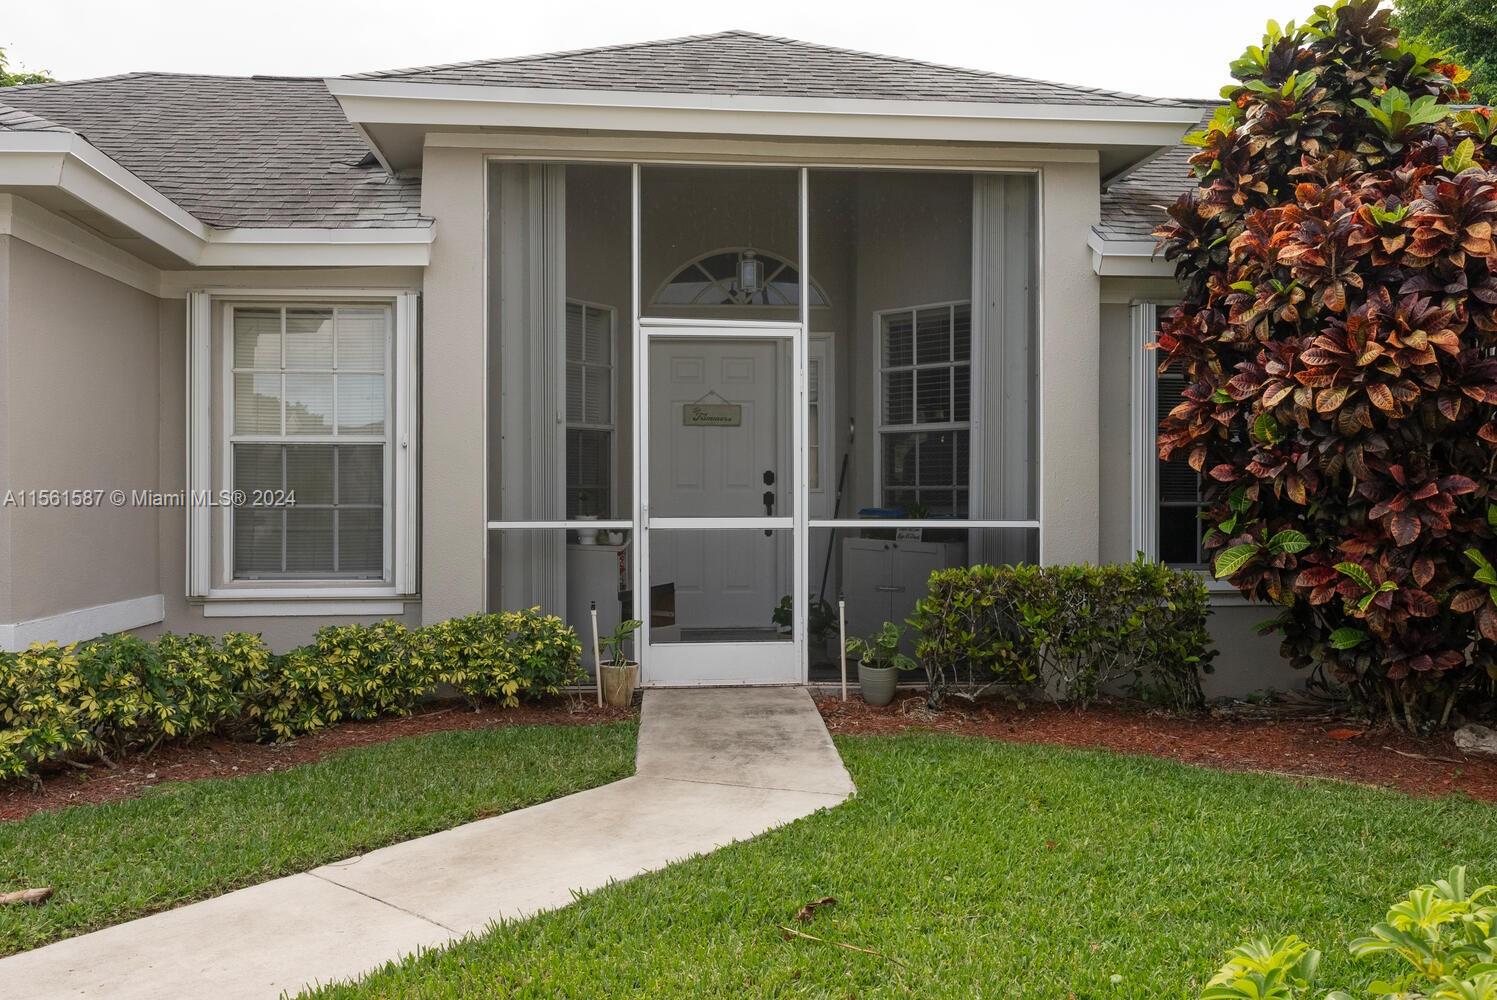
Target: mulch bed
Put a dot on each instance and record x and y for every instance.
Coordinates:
(219, 758)
(1322, 747)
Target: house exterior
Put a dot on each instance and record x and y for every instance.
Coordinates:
(712, 331)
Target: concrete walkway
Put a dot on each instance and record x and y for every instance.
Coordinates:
(714, 766)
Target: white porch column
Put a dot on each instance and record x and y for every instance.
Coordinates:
(453, 521)
(1070, 318)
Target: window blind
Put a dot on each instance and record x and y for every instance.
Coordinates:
(308, 448)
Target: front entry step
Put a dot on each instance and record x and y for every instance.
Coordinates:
(770, 737)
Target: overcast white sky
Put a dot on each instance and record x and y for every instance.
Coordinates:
(1177, 48)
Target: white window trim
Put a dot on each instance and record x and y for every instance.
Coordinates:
(612, 427)
(1145, 400)
(879, 427)
(1144, 376)
(402, 514)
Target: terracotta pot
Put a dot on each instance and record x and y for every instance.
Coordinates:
(619, 684)
(877, 683)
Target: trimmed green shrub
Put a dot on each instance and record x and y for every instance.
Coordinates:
(504, 657)
(104, 697)
(1073, 630)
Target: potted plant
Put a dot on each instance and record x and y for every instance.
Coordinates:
(585, 536)
(821, 622)
(620, 675)
(879, 663)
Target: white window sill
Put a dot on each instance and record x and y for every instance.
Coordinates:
(308, 602)
(1224, 595)
(1221, 593)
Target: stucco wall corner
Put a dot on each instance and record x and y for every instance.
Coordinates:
(453, 520)
(1070, 366)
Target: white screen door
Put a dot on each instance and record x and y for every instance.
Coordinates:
(717, 502)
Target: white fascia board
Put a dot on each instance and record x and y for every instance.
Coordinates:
(69, 163)
(304, 247)
(1127, 258)
(374, 102)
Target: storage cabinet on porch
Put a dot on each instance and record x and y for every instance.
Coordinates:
(883, 578)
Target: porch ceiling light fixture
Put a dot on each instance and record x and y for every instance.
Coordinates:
(750, 273)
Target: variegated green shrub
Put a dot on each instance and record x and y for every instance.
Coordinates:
(347, 672)
(1443, 934)
(107, 696)
(504, 657)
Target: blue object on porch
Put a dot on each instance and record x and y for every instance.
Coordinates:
(887, 513)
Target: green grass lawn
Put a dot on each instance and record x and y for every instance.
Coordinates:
(190, 840)
(988, 870)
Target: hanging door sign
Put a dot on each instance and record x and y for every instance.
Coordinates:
(712, 415)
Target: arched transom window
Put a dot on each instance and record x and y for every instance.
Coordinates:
(736, 276)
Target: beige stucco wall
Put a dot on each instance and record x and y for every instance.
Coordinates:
(79, 373)
(6, 482)
(1069, 365)
(453, 525)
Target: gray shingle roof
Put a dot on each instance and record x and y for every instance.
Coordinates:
(1131, 205)
(16, 120)
(273, 151)
(233, 151)
(743, 62)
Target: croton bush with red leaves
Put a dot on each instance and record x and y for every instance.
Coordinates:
(1338, 335)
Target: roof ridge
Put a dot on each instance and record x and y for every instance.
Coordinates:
(951, 67)
(166, 74)
(44, 124)
(56, 84)
(779, 39)
(556, 54)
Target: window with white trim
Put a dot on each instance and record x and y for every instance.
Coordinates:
(308, 446)
(1167, 502)
(925, 409)
(590, 425)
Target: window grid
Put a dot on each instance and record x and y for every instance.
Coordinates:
(1181, 531)
(925, 408)
(336, 440)
(712, 280)
(813, 424)
(589, 428)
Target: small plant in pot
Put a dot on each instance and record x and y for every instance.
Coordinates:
(620, 675)
(879, 663)
(586, 536)
(821, 622)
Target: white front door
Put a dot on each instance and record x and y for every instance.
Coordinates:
(719, 477)
(726, 582)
